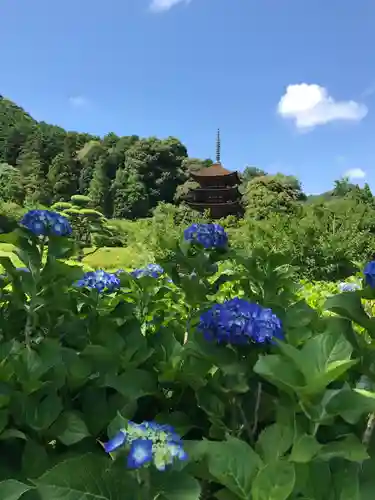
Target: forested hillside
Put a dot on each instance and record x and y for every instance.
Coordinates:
(124, 176)
(129, 177)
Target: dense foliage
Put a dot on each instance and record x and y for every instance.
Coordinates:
(203, 376)
(100, 182)
(124, 176)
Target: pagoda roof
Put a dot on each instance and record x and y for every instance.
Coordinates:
(213, 171)
(213, 204)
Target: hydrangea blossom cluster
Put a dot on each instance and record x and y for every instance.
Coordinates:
(237, 321)
(46, 223)
(148, 442)
(348, 287)
(151, 270)
(207, 235)
(369, 273)
(99, 280)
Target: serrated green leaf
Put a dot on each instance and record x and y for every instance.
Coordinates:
(323, 359)
(346, 481)
(349, 305)
(133, 384)
(234, 464)
(34, 460)
(304, 449)
(278, 370)
(71, 428)
(350, 448)
(12, 490)
(322, 350)
(210, 403)
(44, 413)
(274, 482)
(87, 477)
(10, 238)
(12, 434)
(351, 404)
(274, 441)
(172, 485)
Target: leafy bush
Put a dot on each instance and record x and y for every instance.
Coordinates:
(204, 376)
(10, 213)
(91, 228)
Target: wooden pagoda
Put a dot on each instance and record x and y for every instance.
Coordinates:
(217, 191)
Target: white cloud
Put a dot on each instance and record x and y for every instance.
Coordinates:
(355, 173)
(163, 5)
(310, 105)
(78, 101)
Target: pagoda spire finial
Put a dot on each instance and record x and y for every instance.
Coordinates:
(218, 146)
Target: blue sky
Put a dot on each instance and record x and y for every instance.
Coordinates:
(291, 83)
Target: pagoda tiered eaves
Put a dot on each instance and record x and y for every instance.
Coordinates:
(217, 192)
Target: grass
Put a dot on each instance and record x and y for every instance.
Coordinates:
(108, 258)
(113, 258)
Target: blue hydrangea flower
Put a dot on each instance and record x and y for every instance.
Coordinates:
(151, 270)
(148, 442)
(348, 287)
(45, 223)
(117, 441)
(99, 280)
(237, 321)
(369, 273)
(207, 235)
(140, 453)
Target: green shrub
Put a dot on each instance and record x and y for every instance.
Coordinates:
(102, 374)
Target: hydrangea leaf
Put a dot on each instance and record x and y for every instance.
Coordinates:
(279, 371)
(87, 477)
(12, 490)
(349, 305)
(71, 428)
(274, 441)
(304, 449)
(173, 485)
(346, 482)
(35, 460)
(352, 404)
(132, 384)
(322, 359)
(274, 482)
(234, 464)
(350, 448)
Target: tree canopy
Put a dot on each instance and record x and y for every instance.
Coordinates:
(125, 176)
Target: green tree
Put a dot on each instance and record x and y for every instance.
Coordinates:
(88, 155)
(130, 200)
(270, 194)
(15, 127)
(250, 173)
(342, 187)
(99, 190)
(159, 167)
(63, 176)
(35, 184)
(11, 188)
